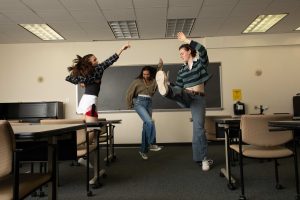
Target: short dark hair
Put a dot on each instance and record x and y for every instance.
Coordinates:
(187, 47)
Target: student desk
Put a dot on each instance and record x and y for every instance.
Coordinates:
(290, 125)
(46, 132)
(110, 124)
(231, 126)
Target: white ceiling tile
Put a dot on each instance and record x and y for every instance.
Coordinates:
(220, 2)
(185, 3)
(215, 11)
(104, 34)
(24, 17)
(65, 26)
(152, 29)
(92, 26)
(286, 6)
(262, 3)
(88, 5)
(9, 5)
(44, 4)
(206, 27)
(119, 14)
(84, 16)
(55, 15)
(235, 25)
(148, 13)
(183, 12)
(248, 10)
(115, 4)
(4, 19)
(150, 4)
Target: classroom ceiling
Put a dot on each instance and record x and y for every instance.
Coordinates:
(87, 20)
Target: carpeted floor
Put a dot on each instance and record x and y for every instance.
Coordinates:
(171, 174)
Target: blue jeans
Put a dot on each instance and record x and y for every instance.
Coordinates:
(143, 106)
(197, 104)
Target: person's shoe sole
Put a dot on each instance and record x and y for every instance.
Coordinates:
(161, 82)
(156, 149)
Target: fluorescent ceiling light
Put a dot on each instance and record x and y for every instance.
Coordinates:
(263, 23)
(297, 29)
(124, 29)
(179, 25)
(43, 31)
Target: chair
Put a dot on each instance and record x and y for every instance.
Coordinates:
(256, 141)
(82, 148)
(106, 135)
(14, 185)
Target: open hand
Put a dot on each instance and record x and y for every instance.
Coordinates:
(181, 37)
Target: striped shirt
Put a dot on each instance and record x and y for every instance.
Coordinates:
(198, 74)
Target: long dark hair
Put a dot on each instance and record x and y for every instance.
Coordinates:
(187, 47)
(152, 71)
(81, 66)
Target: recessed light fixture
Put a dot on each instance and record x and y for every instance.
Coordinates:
(124, 29)
(179, 25)
(43, 31)
(263, 23)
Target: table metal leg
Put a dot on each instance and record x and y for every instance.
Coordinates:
(226, 172)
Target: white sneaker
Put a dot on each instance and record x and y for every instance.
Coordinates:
(154, 147)
(93, 180)
(144, 156)
(162, 82)
(83, 162)
(206, 164)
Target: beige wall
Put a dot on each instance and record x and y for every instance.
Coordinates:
(277, 56)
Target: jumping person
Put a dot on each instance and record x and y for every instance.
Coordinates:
(139, 97)
(87, 72)
(189, 92)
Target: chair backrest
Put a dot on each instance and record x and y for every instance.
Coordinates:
(255, 130)
(7, 147)
(80, 136)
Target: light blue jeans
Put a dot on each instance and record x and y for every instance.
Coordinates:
(143, 106)
(197, 104)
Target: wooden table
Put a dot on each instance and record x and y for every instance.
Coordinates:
(36, 132)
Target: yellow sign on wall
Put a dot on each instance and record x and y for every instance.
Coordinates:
(237, 94)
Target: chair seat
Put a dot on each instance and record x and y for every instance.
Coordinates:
(263, 152)
(28, 184)
(81, 150)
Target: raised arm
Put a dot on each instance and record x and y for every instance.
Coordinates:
(126, 46)
(195, 45)
(108, 62)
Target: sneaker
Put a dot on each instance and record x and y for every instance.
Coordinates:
(82, 161)
(162, 82)
(154, 147)
(93, 180)
(206, 164)
(144, 156)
